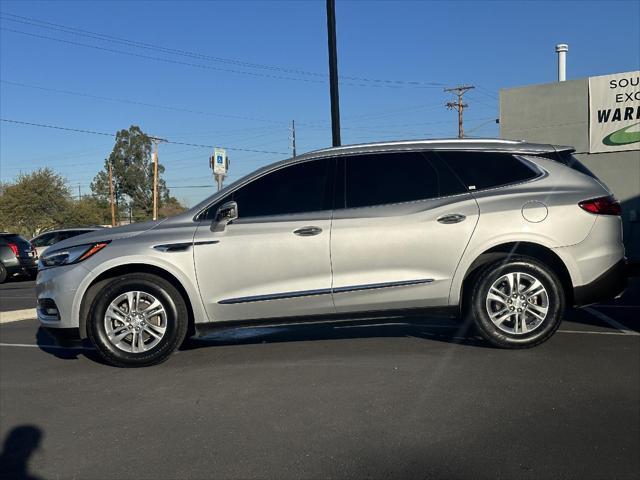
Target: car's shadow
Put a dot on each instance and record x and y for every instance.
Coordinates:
(450, 330)
(66, 349)
(438, 329)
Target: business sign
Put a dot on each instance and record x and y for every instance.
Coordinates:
(220, 161)
(614, 112)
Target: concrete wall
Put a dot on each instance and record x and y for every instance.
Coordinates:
(558, 113)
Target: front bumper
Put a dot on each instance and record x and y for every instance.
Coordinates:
(58, 287)
(607, 286)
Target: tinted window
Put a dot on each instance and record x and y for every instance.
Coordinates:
(70, 233)
(45, 240)
(384, 178)
(299, 188)
(480, 170)
(566, 158)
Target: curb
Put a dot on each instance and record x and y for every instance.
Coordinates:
(18, 315)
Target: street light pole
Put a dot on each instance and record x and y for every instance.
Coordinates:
(333, 72)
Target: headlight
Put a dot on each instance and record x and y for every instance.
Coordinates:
(67, 256)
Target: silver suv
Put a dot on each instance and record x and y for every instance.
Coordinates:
(506, 233)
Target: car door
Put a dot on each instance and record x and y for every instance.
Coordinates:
(273, 260)
(406, 222)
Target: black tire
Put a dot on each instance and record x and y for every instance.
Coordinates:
(176, 320)
(477, 309)
(3, 273)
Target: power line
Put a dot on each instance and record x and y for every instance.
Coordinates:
(160, 59)
(198, 65)
(144, 104)
(123, 41)
(93, 132)
(312, 125)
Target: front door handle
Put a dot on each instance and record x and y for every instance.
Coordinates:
(451, 218)
(308, 231)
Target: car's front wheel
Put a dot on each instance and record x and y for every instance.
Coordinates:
(137, 320)
(516, 303)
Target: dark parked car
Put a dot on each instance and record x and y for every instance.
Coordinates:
(17, 256)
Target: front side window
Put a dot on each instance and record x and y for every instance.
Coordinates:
(300, 188)
(68, 234)
(45, 240)
(481, 170)
(396, 177)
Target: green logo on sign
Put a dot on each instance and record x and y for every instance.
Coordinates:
(622, 137)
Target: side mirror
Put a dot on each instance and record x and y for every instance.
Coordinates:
(226, 214)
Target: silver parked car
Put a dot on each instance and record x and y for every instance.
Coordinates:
(507, 233)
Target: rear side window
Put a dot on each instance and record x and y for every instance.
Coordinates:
(300, 188)
(481, 170)
(567, 159)
(385, 178)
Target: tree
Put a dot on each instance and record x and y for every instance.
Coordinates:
(36, 201)
(171, 207)
(132, 174)
(87, 211)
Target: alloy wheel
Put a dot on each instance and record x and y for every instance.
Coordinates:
(135, 321)
(517, 303)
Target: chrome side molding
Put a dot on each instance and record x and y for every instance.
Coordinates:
(323, 291)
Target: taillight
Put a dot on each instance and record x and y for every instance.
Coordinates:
(14, 249)
(602, 206)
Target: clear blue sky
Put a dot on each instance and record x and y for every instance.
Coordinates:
(489, 44)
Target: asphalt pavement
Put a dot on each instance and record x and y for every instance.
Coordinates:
(407, 398)
(17, 294)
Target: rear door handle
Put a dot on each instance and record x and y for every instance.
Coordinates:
(451, 218)
(308, 231)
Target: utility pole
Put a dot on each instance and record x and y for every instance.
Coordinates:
(459, 106)
(293, 137)
(113, 207)
(155, 142)
(79, 193)
(333, 72)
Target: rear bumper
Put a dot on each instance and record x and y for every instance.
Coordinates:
(19, 268)
(607, 286)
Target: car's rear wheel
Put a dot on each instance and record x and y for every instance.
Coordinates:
(137, 320)
(517, 303)
(3, 273)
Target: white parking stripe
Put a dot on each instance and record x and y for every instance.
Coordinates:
(17, 315)
(591, 332)
(618, 306)
(54, 347)
(615, 324)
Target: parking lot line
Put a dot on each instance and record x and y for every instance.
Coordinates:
(618, 306)
(610, 321)
(590, 332)
(54, 347)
